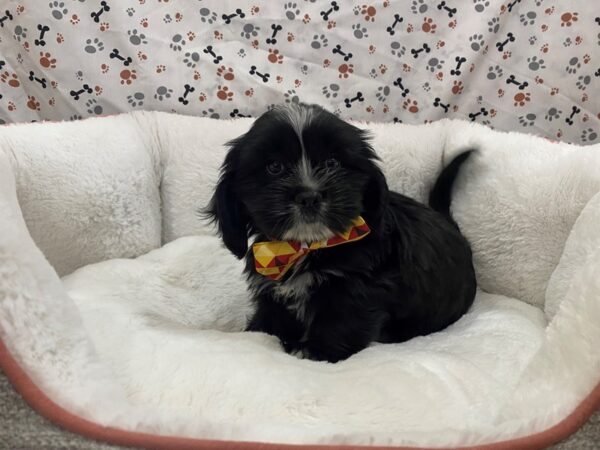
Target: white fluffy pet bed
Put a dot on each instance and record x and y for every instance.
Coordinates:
(147, 350)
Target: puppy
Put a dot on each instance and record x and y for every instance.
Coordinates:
(304, 176)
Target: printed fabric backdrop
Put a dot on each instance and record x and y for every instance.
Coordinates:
(531, 66)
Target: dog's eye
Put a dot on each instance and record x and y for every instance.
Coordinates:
(275, 168)
(332, 164)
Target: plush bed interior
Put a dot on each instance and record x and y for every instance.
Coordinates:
(123, 307)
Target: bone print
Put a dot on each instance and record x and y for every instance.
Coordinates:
(416, 52)
(115, 54)
(263, 76)
(236, 113)
(574, 111)
(103, 8)
(460, 60)
(597, 73)
(397, 20)
(511, 80)
(209, 51)
(325, 14)
(338, 49)
(398, 83)
(7, 16)
(597, 20)
(276, 28)
(227, 17)
(40, 40)
(509, 38)
(2, 64)
(482, 111)
(443, 5)
(32, 77)
(183, 99)
(358, 97)
(512, 4)
(77, 94)
(438, 102)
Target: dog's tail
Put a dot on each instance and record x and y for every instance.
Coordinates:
(440, 196)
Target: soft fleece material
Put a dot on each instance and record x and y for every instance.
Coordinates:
(152, 343)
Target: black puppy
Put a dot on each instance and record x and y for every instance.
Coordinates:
(301, 174)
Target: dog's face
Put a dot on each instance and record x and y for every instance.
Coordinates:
(300, 174)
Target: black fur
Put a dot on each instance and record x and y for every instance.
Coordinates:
(412, 275)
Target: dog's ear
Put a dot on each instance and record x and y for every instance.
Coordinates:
(227, 211)
(375, 196)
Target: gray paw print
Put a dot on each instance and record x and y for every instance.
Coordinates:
(207, 16)
(177, 42)
(480, 5)
(93, 46)
(567, 42)
(167, 18)
(249, 31)
(191, 59)
(553, 114)
(136, 38)
(79, 75)
(527, 120)
(75, 117)
(583, 81)
(130, 11)
(93, 107)
(291, 97)
(20, 33)
(162, 92)
(319, 40)
(331, 90)
(434, 64)
(136, 99)
(535, 63)
(210, 113)
(359, 31)
(304, 69)
(589, 135)
(494, 25)
(574, 64)
(528, 18)
(477, 42)
(241, 53)
(291, 10)
(382, 93)
(58, 9)
(494, 72)
(398, 49)
(532, 40)
(418, 7)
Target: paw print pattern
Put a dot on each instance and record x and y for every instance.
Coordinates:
(553, 114)
(93, 107)
(93, 45)
(528, 18)
(573, 65)
(162, 93)
(382, 93)
(589, 135)
(291, 97)
(528, 120)
(291, 10)
(476, 42)
(583, 81)
(191, 59)
(359, 31)
(58, 9)
(434, 64)
(136, 38)
(331, 90)
(318, 41)
(177, 42)
(494, 72)
(397, 49)
(136, 99)
(535, 64)
(249, 31)
(419, 7)
(480, 5)
(208, 16)
(223, 93)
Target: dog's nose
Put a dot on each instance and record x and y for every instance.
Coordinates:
(308, 199)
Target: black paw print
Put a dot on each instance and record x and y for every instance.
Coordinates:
(553, 114)
(177, 42)
(136, 99)
(291, 10)
(75, 117)
(583, 81)
(130, 11)
(528, 18)
(167, 18)
(319, 40)
(480, 5)
(331, 90)
(419, 7)
(207, 16)
(93, 45)
(291, 97)
(382, 93)
(434, 64)
(359, 31)
(136, 38)
(573, 66)
(476, 42)
(535, 63)
(58, 9)
(20, 33)
(163, 92)
(191, 59)
(527, 120)
(93, 107)
(494, 25)
(494, 72)
(398, 49)
(589, 135)
(249, 31)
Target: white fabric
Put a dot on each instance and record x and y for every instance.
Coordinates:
(150, 344)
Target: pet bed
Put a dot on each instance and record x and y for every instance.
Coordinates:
(139, 342)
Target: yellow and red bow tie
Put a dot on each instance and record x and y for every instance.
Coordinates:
(273, 259)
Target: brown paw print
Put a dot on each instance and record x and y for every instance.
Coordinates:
(372, 49)
(554, 91)
(160, 68)
(279, 79)
(428, 26)
(544, 28)
(368, 12)
(144, 23)
(410, 28)
(202, 97)
(52, 101)
(32, 103)
(249, 92)
(457, 87)
(255, 44)
(12, 107)
(74, 19)
(223, 93)
(306, 19)
(406, 67)
(142, 56)
(331, 24)
(440, 44)
(291, 37)
(191, 35)
(370, 109)
(383, 69)
(386, 109)
(500, 93)
(178, 17)
(128, 76)
(274, 56)
(586, 58)
(47, 61)
(538, 80)
(411, 105)
(60, 38)
(218, 35)
(452, 25)
(104, 68)
(544, 48)
(254, 10)
(549, 11)
(226, 73)
(98, 90)
(11, 79)
(493, 112)
(104, 26)
(567, 19)
(20, 10)
(439, 76)
(326, 63)
(345, 70)
(521, 98)
(506, 55)
(197, 75)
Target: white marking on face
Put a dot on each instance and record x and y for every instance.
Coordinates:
(298, 116)
(306, 173)
(308, 232)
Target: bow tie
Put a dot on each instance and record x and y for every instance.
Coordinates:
(273, 259)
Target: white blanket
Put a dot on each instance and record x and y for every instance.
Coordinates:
(153, 344)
